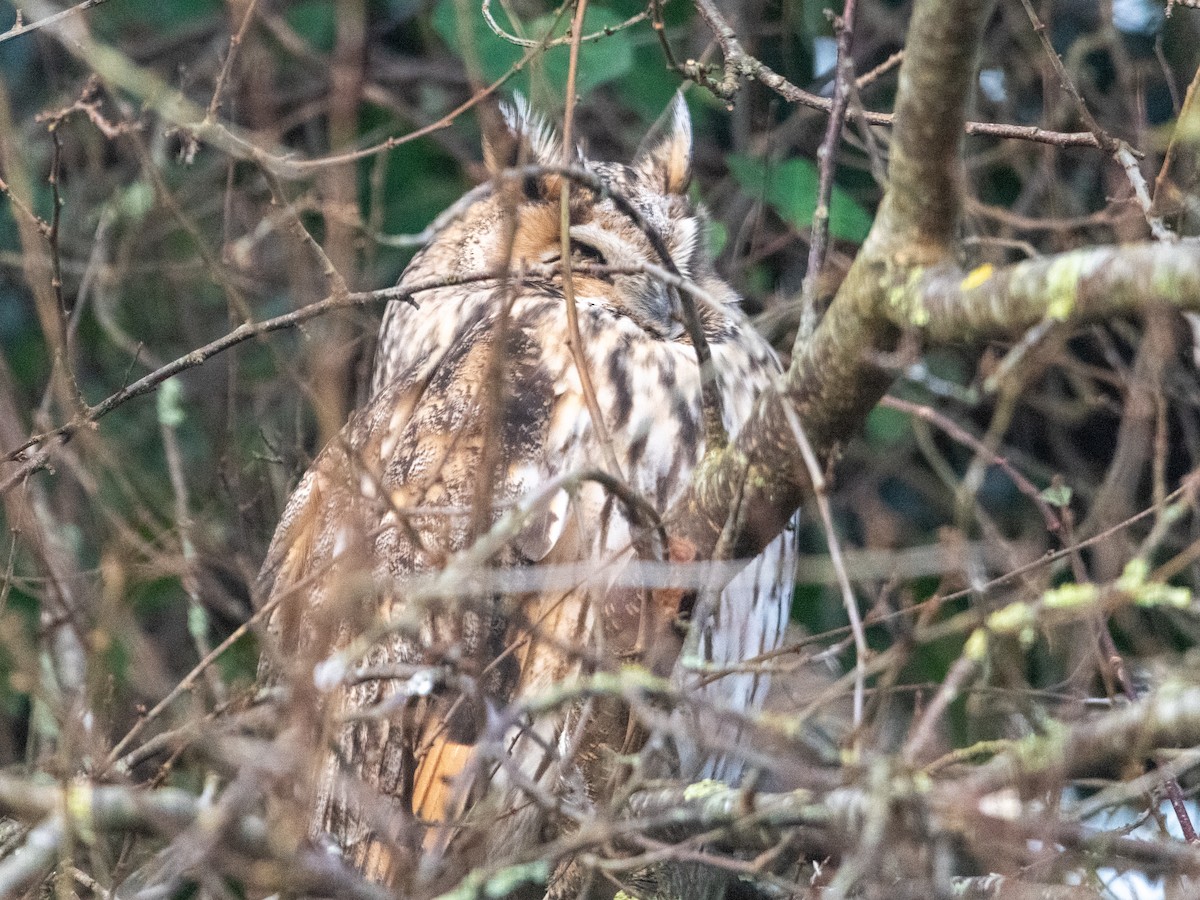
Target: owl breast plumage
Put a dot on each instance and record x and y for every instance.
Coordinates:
(477, 457)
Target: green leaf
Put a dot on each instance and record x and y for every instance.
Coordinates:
(132, 20)
(496, 56)
(790, 188)
(887, 427)
(170, 403)
(315, 21)
(1057, 495)
(605, 59)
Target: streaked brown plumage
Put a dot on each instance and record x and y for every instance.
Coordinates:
(477, 410)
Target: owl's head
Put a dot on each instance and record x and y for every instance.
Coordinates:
(519, 223)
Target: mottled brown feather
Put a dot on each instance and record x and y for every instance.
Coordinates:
(392, 498)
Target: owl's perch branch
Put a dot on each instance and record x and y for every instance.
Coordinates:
(905, 280)
(832, 385)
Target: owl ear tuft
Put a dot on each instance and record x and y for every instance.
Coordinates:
(519, 136)
(665, 154)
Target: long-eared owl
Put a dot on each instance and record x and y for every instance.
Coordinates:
(457, 570)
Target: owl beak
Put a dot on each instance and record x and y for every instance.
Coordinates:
(678, 328)
(672, 307)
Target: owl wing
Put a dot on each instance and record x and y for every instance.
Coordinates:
(393, 497)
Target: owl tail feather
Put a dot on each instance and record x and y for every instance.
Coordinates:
(439, 795)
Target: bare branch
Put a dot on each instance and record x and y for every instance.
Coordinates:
(168, 812)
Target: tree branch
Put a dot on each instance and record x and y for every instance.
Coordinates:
(905, 280)
(1103, 747)
(947, 306)
(832, 383)
(168, 811)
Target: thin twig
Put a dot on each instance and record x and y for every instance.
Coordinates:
(19, 27)
(739, 63)
(1141, 193)
(170, 812)
(861, 650)
(33, 460)
(574, 37)
(1184, 116)
(827, 164)
(1119, 150)
(170, 417)
(960, 434)
(185, 684)
(574, 338)
(964, 669)
(1104, 140)
(235, 43)
(871, 76)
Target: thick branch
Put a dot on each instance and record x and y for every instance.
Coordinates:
(924, 199)
(833, 383)
(1102, 748)
(904, 281)
(948, 306)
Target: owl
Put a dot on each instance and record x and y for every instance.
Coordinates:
(458, 566)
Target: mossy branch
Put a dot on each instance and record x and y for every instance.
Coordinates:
(833, 383)
(905, 281)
